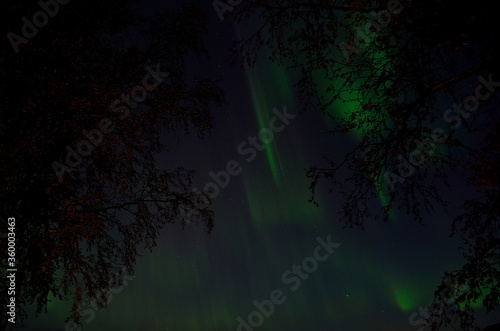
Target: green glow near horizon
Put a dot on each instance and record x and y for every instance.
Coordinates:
(405, 298)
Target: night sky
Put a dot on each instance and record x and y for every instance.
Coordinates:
(374, 280)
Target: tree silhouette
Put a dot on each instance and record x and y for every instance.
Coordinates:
(383, 71)
(478, 225)
(85, 108)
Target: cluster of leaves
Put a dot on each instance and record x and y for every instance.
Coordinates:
(479, 228)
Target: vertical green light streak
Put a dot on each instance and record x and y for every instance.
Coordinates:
(288, 202)
(262, 113)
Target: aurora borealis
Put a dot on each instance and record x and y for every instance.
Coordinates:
(375, 280)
